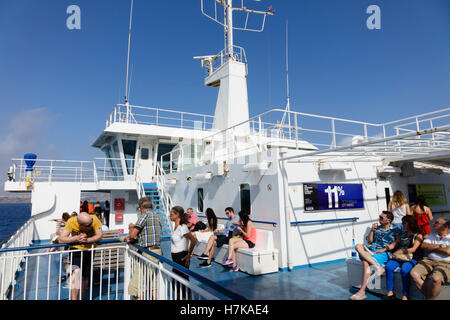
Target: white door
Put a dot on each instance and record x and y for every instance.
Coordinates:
(145, 168)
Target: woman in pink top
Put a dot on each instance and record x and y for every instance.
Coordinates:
(248, 232)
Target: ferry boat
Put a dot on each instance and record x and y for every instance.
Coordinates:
(314, 185)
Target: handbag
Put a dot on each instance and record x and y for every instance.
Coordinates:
(404, 257)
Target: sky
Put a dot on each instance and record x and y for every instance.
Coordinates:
(58, 86)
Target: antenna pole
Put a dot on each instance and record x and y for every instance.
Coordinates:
(287, 69)
(128, 56)
(229, 27)
(288, 102)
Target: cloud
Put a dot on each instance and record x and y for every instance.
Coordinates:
(24, 132)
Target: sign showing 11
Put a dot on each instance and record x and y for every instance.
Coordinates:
(336, 191)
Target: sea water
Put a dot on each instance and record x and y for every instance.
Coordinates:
(12, 217)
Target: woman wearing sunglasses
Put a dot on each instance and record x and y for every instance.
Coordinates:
(403, 256)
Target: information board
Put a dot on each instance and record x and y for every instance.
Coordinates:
(434, 193)
(332, 196)
(119, 204)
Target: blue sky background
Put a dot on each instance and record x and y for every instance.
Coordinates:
(58, 86)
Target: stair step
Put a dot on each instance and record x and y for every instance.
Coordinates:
(150, 185)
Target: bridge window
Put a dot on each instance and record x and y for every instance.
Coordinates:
(129, 151)
(113, 155)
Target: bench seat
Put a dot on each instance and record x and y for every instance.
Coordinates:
(261, 259)
(354, 273)
(109, 258)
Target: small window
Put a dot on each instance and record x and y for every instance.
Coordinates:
(144, 153)
(388, 197)
(200, 199)
(245, 197)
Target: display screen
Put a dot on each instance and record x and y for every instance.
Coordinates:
(332, 196)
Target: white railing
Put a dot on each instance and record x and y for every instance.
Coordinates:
(129, 114)
(113, 266)
(9, 265)
(101, 169)
(222, 57)
(317, 133)
(163, 193)
(55, 170)
(21, 237)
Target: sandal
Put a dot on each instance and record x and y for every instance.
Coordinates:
(357, 297)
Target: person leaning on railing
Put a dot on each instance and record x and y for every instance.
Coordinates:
(146, 232)
(86, 230)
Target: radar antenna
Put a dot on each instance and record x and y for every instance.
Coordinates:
(227, 22)
(228, 69)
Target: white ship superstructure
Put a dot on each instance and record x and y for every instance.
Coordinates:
(274, 164)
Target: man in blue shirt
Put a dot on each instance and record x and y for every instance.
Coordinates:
(218, 240)
(379, 237)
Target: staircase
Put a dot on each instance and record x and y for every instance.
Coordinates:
(151, 191)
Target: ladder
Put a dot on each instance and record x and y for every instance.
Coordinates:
(151, 191)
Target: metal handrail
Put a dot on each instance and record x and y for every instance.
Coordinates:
(124, 116)
(196, 276)
(211, 292)
(254, 221)
(295, 223)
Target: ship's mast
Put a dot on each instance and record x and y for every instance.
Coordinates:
(229, 27)
(228, 69)
(128, 55)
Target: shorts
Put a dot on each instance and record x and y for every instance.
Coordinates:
(143, 277)
(178, 258)
(380, 258)
(432, 267)
(250, 244)
(76, 262)
(221, 240)
(203, 236)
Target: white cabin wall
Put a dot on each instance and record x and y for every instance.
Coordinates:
(223, 191)
(130, 213)
(316, 243)
(50, 201)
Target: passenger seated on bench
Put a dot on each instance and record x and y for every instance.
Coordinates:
(192, 219)
(379, 237)
(203, 235)
(403, 256)
(436, 263)
(219, 238)
(54, 237)
(248, 232)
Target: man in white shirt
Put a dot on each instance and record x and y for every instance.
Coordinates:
(436, 263)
